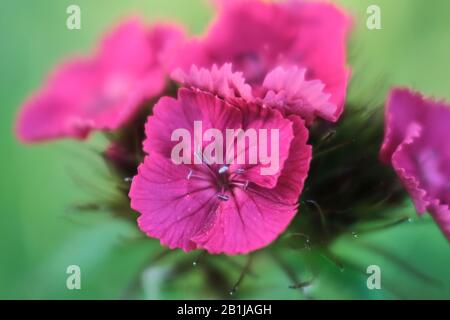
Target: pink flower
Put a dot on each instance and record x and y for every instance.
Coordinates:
(221, 81)
(256, 37)
(289, 91)
(103, 92)
(286, 90)
(222, 208)
(417, 145)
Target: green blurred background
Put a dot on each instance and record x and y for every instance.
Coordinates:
(40, 236)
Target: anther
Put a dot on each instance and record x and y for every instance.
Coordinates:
(223, 169)
(223, 197)
(243, 185)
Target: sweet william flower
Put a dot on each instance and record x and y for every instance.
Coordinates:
(289, 91)
(231, 209)
(284, 89)
(101, 92)
(220, 81)
(258, 36)
(417, 145)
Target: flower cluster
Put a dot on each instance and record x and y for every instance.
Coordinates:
(260, 66)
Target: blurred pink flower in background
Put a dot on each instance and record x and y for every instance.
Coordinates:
(102, 92)
(222, 209)
(256, 37)
(417, 145)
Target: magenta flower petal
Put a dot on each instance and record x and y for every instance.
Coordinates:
(259, 215)
(261, 118)
(53, 112)
(173, 208)
(220, 81)
(257, 36)
(404, 165)
(416, 144)
(222, 209)
(100, 93)
(289, 91)
(170, 114)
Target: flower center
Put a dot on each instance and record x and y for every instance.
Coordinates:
(221, 179)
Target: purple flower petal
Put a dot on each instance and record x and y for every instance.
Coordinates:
(416, 144)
